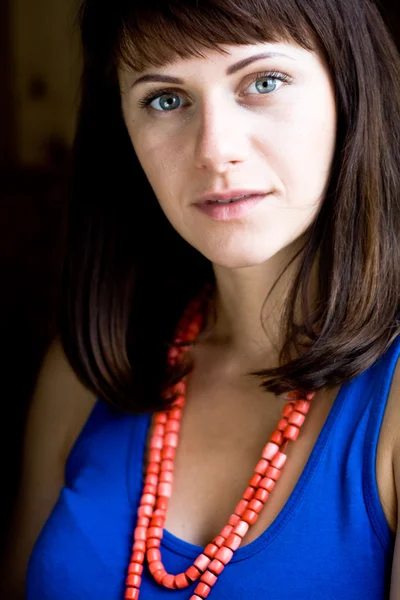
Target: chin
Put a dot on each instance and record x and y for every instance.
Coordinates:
(237, 259)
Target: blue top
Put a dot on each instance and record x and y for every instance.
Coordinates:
(331, 539)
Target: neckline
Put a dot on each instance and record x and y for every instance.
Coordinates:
(189, 550)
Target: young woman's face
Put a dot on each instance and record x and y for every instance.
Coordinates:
(268, 125)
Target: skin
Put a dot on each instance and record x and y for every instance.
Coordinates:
(224, 133)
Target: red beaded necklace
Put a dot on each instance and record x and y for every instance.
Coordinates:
(159, 477)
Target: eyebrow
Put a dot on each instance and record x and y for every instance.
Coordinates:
(153, 77)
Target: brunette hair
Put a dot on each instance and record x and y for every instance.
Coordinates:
(128, 275)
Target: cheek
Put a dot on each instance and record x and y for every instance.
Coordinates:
(161, 161)
(306, 146)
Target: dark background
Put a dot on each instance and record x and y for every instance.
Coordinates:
(39, 75)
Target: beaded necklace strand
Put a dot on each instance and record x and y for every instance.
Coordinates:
(158, 481)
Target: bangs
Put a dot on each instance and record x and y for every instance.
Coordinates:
(156, 33)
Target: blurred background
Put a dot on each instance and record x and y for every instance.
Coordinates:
(39, 95)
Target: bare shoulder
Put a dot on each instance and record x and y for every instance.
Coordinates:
(395, 581)
(61, 403)
(59, 407)
(388, 447)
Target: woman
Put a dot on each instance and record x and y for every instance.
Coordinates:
(232, 274)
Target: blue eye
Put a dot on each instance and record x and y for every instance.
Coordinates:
(169, 100)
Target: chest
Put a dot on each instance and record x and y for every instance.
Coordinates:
(223, 430)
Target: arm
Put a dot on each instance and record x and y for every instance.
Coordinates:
(395, 581)
(59, 407)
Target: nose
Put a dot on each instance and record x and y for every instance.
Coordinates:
(222, 139)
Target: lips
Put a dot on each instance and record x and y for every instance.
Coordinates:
(229, 195)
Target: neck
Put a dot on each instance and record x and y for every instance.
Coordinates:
(244, 318)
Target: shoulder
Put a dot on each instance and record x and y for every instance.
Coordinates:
(58, 410)
(388, 443)
(61, 403)
(395, 401)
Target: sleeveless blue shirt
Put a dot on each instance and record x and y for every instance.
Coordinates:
(331, 539)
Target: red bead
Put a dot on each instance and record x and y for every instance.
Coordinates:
(172, 426)
(159, 575)
(145, 510)
(279, 460)
(261, 495)
(208, 578)
(155, 532)
(155, 565)
(219, 541)
(153, 468)
(291, 432)
(202, 562)
(156, 442)
(137, 557)
(216, 566)
(139, 545)
(153, 543)
(270, 450)
(255, 480)
(151, 479)
(273, 473)
(241, 507)
(302, 406)
(181, 581)
(143, 522)
(157, 521)
(210, 550)
(277, 437)
(192, 573)
(166, 477)
(224, 554)
(165, 489)
(161, 418)
(133, 581)
(135, 569)
(233, 520)
(261, 466)
(255, 505)
(155, 456)
(296, 418)
(248, 493)
(176, 414)
(148, 499)
(171, 439)
(233, 541)
(161, 505)
(282, 423)
(168, 581)
(267, 484)
(287, 410)
(226, 531)
(153, 555)
(168, 453)
(241, 529)
(131, 594)
(140, 533)
(202, 590)
(250, 517)
(167, 465)
(150, 489)
(158, 430)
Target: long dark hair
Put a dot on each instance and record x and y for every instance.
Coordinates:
(128, 275)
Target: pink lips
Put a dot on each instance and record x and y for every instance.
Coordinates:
(233, 210)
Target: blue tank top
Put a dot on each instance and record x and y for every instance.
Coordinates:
(331, 539)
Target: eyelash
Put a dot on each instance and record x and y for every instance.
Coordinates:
(154, 94)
